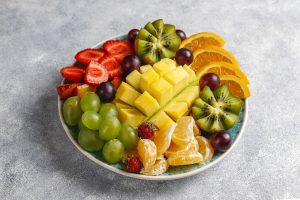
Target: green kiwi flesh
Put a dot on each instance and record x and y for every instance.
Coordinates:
(216, 110)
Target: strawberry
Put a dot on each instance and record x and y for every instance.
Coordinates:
(66, 90)
(87, 55)
(118, 49)
(71, 73)
(111, 64)
(95, 74)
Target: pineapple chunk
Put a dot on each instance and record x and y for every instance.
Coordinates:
(176, 110)
(131, 116)
(189, 71)
(163, 66)
(161, 119)
(146, 103)
(119, 104)
(147, 79)
(161, 90)
(134, 79)
(188, 95)
(179, 78)
(127, 94)
(145, 68)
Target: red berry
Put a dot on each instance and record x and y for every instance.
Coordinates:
(87, 55)
(146, 130)
(119, 49)
(133, 165)
(72, 73)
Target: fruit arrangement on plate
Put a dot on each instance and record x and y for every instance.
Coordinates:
(154, 100)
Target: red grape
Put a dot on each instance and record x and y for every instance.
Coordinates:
(221, 141)
(211, 80)
(132, 35)
(106, 92)
(131, 63)
(181, 34)
(184, 56)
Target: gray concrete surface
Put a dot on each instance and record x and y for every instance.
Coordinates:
(38, 37)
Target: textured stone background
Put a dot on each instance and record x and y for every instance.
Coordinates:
(38, 37)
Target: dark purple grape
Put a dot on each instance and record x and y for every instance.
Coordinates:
(184, 56)
(132, 35)
(211, 80)
(221, 141)
(131, 63)
(106, 91)
(181, 34)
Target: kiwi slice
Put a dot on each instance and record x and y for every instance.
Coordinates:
(216, 110)
(156, 41)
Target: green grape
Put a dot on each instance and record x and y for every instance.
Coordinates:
(72, 111)
(108, 109)
(109, 128)
(113, 151)
(89, 140)
(91, 120)
(128, 136)
(90, 101)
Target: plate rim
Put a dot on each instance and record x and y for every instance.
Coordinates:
(140, 176)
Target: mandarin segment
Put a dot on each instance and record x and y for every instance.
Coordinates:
(183, 132)
(147, 152)
(161, 166)
(162, 138)
(205, 148)
(185, 158)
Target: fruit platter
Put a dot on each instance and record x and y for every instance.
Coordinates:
(155, 104)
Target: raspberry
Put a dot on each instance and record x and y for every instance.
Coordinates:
(133, 165)
(146, 130)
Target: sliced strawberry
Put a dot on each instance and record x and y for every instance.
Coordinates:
(66, 90)
(116, 82)
(87, 55)
(71, 73)
(95, 74)
(82, 89)
(111, 64)
(118, 48)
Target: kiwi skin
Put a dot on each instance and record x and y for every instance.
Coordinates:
(216, 110)
(156, 41)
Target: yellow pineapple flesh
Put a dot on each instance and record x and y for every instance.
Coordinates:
(160, 94)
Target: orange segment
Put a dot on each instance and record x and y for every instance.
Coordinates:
(205, 148)
(147, 152)
(183, 132)
(211, 54)
(200, 40)
(185, 158)
(160, 167)
(222, 68)
(163, 138)
(237, 86)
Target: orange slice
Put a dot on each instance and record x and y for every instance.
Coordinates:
(211, 54)
(147, 152)
(183, 132)
(201, 40)
(163, 138)
(237, 86)
(196, 130)
(222, 68)
(205, 148)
